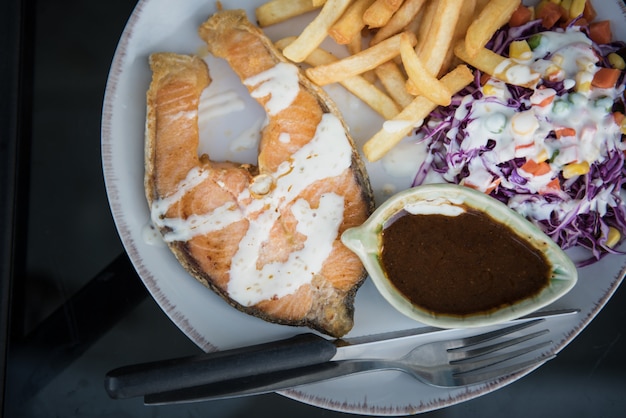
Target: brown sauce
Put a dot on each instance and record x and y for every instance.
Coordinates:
(461, 265)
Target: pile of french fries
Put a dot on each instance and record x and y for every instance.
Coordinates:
(405, 57)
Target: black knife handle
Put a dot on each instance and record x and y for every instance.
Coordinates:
(168, 375)
(257, 384)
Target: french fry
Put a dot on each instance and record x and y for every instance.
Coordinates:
(498, 66)
(354, 47)
(418, 22)
(350, 23)
(357, 85)
(277, 11)
(379, 13)
(413, 115)
(495, 14)
(316, 31)
(433, 49)
(423, 82)
(394, 81)
(480, 5)
(366, 60)
(466, 16)
(425, 19)
(318, 3)
(356, 44)
(400, 20)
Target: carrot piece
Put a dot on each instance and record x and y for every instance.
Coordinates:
(493, 185)
(582, 22)
(600, 32)
(520, 16)
(523, 146)
(561, 132)
(484, 77)
(605, 78)
(589, 13)
(554, 184)
(545, 101)
(618, 117)
(550, 13)
(490, 188)
(536, 169)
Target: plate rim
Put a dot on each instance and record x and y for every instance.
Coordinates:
(178, 316)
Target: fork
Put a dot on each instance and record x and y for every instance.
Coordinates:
(445, 363)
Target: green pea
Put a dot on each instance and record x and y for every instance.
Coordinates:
(534, 41)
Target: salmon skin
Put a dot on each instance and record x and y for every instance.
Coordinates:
(266, 238)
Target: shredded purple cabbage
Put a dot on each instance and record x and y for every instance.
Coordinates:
(603, 179)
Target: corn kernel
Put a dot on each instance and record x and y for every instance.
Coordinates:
(583, 81)
(541, 4)
(622, 126)
(554, 73)
(543, 156)
(555, 1)
(494, 88)
(577, 8)
(558, 59)
(575, 169)
(489, 90)
(520, 50)
(566, 4)
(612, 237)
(585, 64)
(616, 61)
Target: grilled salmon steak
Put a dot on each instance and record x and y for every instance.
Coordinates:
(266, 238)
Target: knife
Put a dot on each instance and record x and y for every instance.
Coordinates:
(286, 355)
(284, 379)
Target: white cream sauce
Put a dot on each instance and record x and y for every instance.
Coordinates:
(278, 82)
(327, 155)
(434, 207)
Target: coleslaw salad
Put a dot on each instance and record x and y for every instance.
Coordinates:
(552, 152)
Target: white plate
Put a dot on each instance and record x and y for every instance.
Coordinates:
(162, 25)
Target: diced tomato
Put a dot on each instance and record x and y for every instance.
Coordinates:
(561, 132)
(550, 13)
(535, 168)
(520, 16)
(600, 32)
(605, 78)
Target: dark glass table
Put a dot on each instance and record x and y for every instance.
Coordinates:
(73, 307)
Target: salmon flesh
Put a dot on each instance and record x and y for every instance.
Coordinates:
(266, 238)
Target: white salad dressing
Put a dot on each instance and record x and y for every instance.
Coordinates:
(582, 120)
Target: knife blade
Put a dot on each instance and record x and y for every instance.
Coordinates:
(293, 353)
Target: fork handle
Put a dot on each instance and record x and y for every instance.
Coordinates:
(169, 375)
(261, 383)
